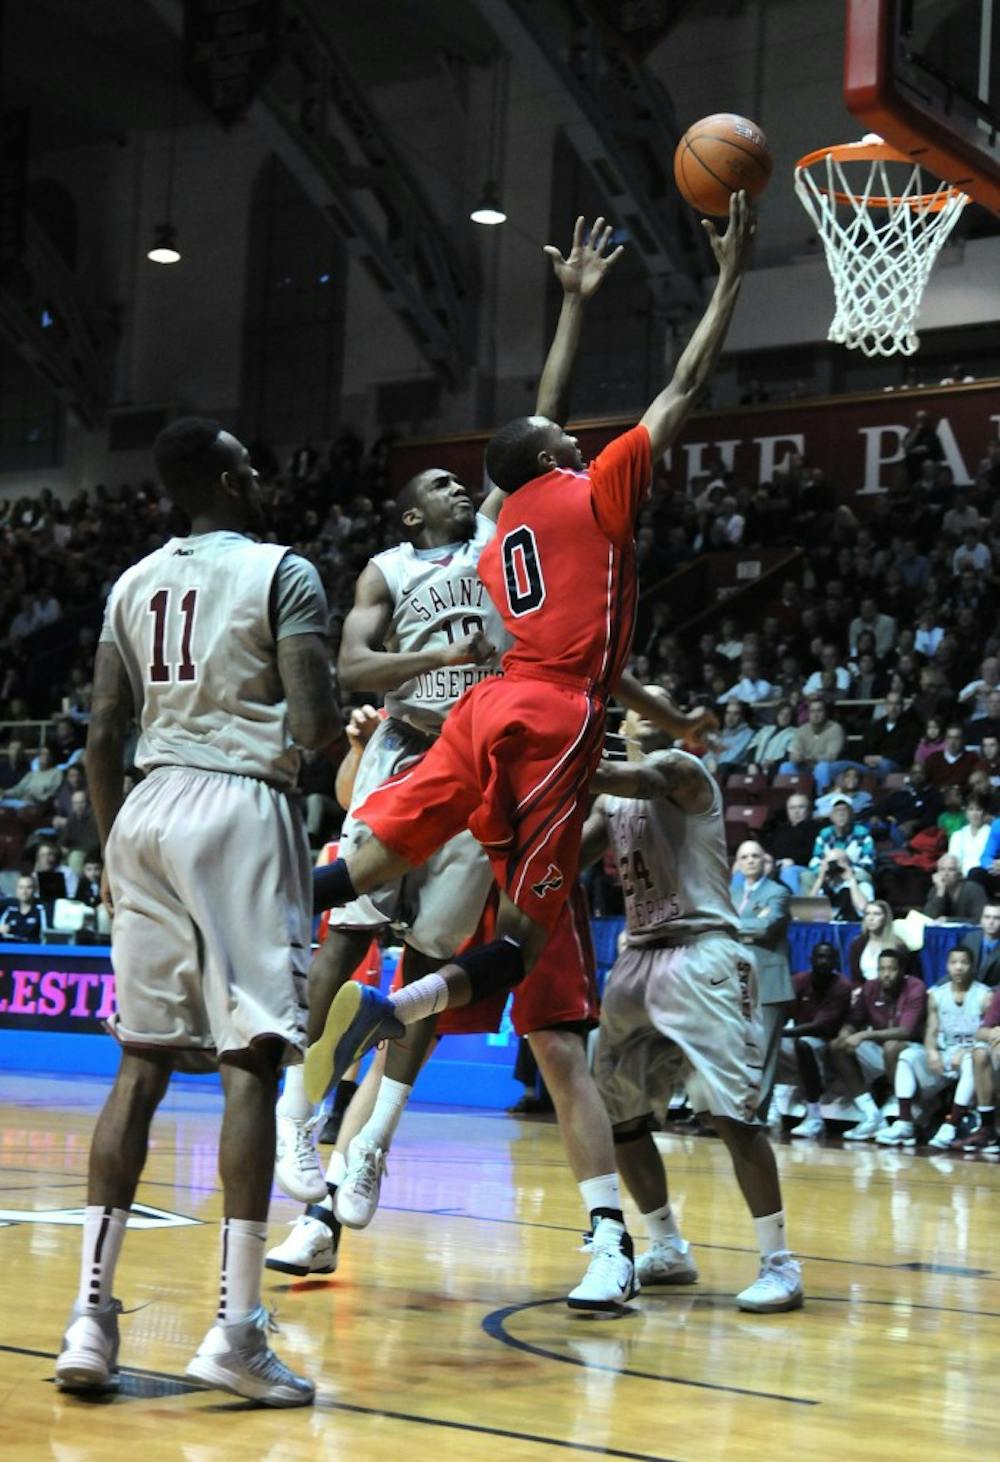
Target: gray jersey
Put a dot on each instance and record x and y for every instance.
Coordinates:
(193, 623)
(673, 866)
(436, 600)
(957, 1024)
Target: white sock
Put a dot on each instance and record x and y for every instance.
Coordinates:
(336, 1169)
(103, 1231)
(243, 1245)
(426, 996)
(661, 1224)
(293, 1101)
(771, 1234)
(865, 1104)
(390, 1104)
(602, 1192)
(813, 1110)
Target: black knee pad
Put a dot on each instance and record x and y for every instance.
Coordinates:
(633, 1131)
(492, 967)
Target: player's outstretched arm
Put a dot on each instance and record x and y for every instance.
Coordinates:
(314, 717)
(667, 774)
(361, 727)
(364, 662)
(695, 726)
(595, 836)
(668, 412)
(581, 274)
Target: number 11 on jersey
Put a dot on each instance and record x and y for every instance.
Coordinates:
(161, 671)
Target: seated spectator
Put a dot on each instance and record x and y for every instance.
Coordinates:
(868, 682)
(876, 935)
(73, 781)
(732, 749)
(14, 764)
(889, 740)
(886, 1017)
(730, 645)
(847, 784)
(816, 744)
(68, 739)
(985, 725)
(751, 686)
(829, 660)
(983, 945)
(88, 888)
(843, 862)
(968, 842)
(898, 815)
(952, 815)
(986, 1065)
(22, 918)
(35, 789)
(960, 517)
(953, 899)
(987, 875)
(53, 879)
(820, 1006)
(932, 740)
(772, 744)
(989, 758)
(977, 692)
(791, 840)
(881, 626)
(954, 763)
(80, 838)
(954, 1014)
(929, 633)
(762, 906)
(972, 553)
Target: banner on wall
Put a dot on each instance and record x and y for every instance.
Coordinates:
(856, 440)
(43, 988)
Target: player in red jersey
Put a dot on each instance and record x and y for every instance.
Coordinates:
(516, 756)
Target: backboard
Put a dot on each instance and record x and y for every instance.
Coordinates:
(925, 75)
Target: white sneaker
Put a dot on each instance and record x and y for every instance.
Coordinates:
(666, 1261)
(311, 1247)
(778, 1286)
(944, 1136)
(297, 1170)
(809, 1127)
(900, 1134)
(610, 1279)
(357, 1196)
(236, 1357)
(88, 1360)
(866, 1129)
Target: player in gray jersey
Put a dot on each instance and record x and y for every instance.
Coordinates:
(682, 999)
(217, 645)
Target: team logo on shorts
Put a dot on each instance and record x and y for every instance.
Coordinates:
(553, 879)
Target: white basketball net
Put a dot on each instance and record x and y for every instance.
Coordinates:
(880, 254)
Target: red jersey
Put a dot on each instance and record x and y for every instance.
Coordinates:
(561, 569)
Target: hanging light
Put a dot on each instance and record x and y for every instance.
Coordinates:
(164, 250)
(489, 210)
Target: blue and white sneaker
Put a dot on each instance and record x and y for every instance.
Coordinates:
(358, 1019)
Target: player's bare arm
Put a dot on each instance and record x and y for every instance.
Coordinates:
(111, 709)
(364, 662)
(596, 834)
(314, 717)
(931, 1034)
(693, 726)
(361, 727)
(670, 409)
(581, 274)
(667, 774)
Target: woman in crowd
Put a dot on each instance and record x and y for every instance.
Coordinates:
(876, 935)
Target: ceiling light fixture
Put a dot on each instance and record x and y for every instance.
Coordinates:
(489, 210)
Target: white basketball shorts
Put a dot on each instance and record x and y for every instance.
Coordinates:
(212, 886)
(690, 1012)
(438, 906)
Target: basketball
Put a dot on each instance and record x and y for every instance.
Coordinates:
(716, 157)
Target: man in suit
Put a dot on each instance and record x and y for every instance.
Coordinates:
(984, 946)
(762, 906)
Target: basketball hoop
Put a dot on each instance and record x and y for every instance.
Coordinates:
(880, 240)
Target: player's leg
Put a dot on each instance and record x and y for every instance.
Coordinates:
(962, 1101)
(235, 1355)
(984, 1139)
(912, 1075)
(667, 1258)
(779, 1285)
(89, 1355)
(856, 1071)
(808, 1052)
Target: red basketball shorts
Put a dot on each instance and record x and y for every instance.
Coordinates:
(513, 764)
(560, 990)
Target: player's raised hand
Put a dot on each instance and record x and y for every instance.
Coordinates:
(362, 726)
(473, 650)
(732, 248)
(583, 269)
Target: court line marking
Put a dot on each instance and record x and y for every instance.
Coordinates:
(494, 1326)
(185, 1387)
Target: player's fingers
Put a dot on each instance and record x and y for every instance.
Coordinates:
(605, 239)
(578, 231)
(615, 256)
(554, 254)
(709, 228)
(595, 232)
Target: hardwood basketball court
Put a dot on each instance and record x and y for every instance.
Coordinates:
(443, 1332)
